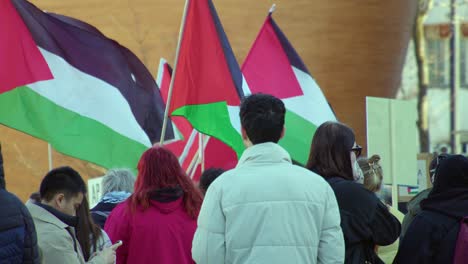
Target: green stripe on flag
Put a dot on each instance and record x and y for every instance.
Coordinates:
(68, 132)
(298, 137)
(213, 120)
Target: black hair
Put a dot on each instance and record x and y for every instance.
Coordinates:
(208, 177)
(62, 180)
(36, 197)
(262, 117)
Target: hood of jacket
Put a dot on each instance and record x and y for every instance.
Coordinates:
(450, 193)
(167, 200)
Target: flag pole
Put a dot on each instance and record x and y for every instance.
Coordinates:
(197, 159)
(193, 164)
(201, 148)
(49, 152)
(187, 147)
(194, 170)
(174, 72)
(272, 9)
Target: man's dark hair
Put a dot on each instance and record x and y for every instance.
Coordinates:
(35, 196)
(208, 177)
(262, 117)
(62, 180)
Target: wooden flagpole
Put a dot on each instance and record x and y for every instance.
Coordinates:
(201, 148)
(174, 72)
(188, 146)
(49, 152)
(197, 159)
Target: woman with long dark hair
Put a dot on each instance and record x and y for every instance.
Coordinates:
(366, 222)
(91, 237)
(157, 223)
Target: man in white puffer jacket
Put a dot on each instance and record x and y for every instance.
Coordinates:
(267, 210)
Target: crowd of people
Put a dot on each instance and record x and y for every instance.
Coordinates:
(265, 210)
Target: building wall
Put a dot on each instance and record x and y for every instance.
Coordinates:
(439, 116)
(353, 48)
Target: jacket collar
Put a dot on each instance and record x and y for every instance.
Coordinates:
(264, 153)
(167, 195)
(41, 213)
(115, 197)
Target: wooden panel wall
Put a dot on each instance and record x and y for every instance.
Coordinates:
(353, 48)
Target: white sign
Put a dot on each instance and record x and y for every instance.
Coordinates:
(94, 191)
(422, 181)
(392, 134)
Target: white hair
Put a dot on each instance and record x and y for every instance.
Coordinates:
(118, 180)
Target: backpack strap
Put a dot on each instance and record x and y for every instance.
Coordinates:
(460, 254)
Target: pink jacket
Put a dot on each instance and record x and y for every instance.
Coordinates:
(161, 234)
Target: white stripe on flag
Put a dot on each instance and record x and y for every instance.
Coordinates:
(89, 96)
(313, 105)
(161, 68)
(234, 117)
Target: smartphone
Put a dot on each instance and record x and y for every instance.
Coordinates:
(117, 244)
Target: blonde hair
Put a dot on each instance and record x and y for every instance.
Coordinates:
(373, 175)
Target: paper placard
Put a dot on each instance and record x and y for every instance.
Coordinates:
(94, 191)
(392, 134)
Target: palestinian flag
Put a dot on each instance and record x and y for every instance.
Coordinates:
(185, 145)
(207, 79)
(63, 81)
(274, 67)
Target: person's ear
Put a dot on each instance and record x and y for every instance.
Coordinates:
(244, 134)
(245, 138)
(283, 132)
(59, 200)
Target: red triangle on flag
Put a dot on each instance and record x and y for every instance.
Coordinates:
(267, 58)
(203, 75)
(21, 61)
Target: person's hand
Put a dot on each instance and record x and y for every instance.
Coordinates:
(108, 254)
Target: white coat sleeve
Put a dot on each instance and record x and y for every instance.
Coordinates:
(208, 246)
(331, 246)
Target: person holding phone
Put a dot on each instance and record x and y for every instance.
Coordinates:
(62, 191)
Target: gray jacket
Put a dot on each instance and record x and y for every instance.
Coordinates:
(57, 241)
(414, 209)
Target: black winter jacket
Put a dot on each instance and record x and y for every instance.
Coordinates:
(366, 222)
(18, 240)
(432, 236)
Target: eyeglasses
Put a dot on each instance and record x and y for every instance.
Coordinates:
(357, 150)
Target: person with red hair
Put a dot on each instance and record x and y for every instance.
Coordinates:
(158, 221)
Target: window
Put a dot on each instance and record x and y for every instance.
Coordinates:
(464, 62)
(438, 62)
